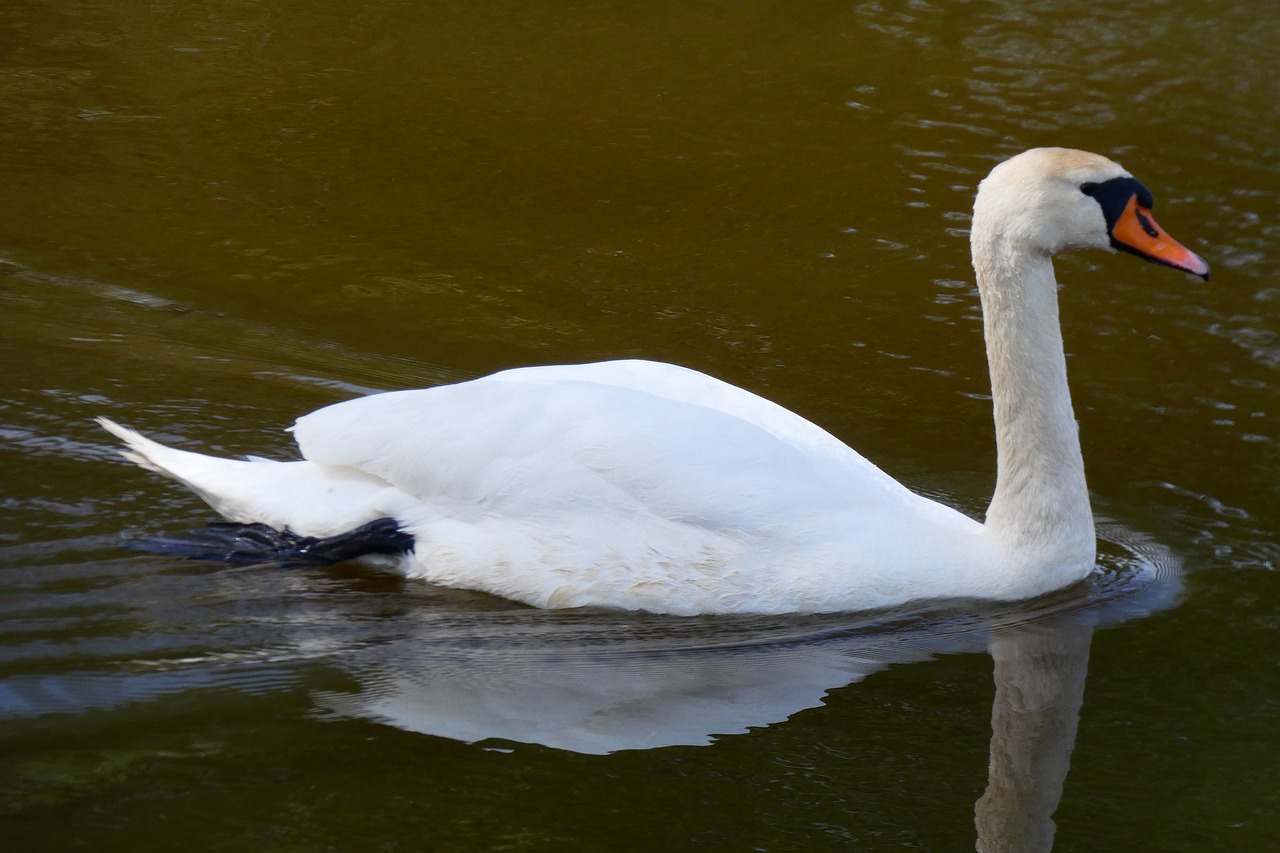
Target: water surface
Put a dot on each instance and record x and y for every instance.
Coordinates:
(214, 217)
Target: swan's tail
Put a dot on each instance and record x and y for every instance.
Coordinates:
(141, 449)
(300, 512)
(240, 490)
(190, 469)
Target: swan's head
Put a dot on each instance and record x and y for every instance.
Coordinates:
(1055, 199)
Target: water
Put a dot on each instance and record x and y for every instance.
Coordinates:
(216, 217)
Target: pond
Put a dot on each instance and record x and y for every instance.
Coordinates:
(215, 217)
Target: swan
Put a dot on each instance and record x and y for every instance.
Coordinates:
(647, 486)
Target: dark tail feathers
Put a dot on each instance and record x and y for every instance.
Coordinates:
(229, 542)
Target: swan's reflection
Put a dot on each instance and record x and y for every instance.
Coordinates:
(602, 683)
(1040, 672)
(616, 691)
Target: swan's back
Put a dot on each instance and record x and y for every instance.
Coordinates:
(676, 441)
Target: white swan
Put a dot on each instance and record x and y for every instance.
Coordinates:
(633, 484)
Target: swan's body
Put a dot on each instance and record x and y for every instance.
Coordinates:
(640, 485)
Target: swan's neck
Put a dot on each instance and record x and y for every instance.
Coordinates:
(1040, 511)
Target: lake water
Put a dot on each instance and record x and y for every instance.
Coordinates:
(217, 216)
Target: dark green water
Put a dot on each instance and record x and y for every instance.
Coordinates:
(217, 216)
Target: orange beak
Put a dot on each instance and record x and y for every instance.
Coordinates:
(1137, 231)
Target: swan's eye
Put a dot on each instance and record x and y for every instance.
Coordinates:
(1113, 196)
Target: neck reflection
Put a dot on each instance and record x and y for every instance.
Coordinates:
(1040, 672)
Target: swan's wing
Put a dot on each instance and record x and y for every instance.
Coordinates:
(683, 385)
(533, 446)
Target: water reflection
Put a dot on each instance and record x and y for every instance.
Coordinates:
(1040, 672)
(600, 683)
(596, 682)
(613, 683)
